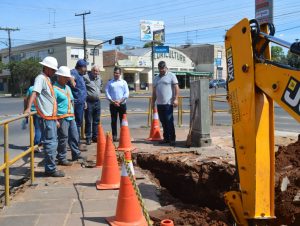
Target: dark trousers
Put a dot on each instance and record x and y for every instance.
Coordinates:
(78, 111)
(92, 118)
(114, 111)
(165, 114)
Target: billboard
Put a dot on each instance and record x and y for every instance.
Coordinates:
(264, 11)
(152, 30)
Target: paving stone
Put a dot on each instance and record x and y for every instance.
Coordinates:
(94, 206)
(89, 219)
(18, 220)
(38, 207)
(52, 220)
(93, 193)
(51, 193)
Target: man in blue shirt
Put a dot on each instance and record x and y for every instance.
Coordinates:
(116, 92)
(78, 87)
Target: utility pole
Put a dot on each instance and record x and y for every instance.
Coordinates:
(84, 34)
(8, 30)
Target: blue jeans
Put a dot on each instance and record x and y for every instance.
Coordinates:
(49, 140)
(92, 118)
(37, 129)
(165, 114)
(78, 111)
(67, 133)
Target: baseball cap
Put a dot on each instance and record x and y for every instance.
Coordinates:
(81, 63)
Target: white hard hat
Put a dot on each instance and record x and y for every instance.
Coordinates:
(50, 62)
(64, 71)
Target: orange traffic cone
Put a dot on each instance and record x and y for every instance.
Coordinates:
(100, 147)
(129, 212)
(125, 140)
(155, 130)
(110, 178)
(166, 222)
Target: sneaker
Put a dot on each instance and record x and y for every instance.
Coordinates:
(65, 163)
(164, 142)
(39, 149)
(57, 173)
(88, 142)
(79, 158)
(115, 139)
(94, 139)
(173, 143)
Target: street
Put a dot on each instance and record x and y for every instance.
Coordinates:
(19, 139)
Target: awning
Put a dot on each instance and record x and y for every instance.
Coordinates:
(193, 73)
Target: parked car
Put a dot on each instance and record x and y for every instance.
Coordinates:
(216, 83)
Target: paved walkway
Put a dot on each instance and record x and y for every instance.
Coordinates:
(74, 200)
(70, 201)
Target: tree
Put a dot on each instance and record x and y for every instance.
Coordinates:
(22, 72)
(277, 54)
(293, 60)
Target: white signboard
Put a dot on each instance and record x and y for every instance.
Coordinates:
(148, 27)
(264, 11)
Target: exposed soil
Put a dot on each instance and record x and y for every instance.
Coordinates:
(287, 166)
(199, 186)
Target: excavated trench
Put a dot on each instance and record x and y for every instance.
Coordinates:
(196, 187)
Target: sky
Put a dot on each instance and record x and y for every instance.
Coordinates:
(186, 21)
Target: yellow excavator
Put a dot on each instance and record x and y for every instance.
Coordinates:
(254, 83)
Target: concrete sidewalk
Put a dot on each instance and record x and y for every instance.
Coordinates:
(74, 200)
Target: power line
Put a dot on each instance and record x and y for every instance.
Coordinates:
(8, 30)
(84, 34)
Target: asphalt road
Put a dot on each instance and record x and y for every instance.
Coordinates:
(19, 139)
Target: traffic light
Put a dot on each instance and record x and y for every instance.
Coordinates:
(119, 40)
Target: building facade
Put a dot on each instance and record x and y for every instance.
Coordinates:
(66, 50)
(207, 58)
(136, 66)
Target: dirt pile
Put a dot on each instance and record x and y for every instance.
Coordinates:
(287, 185)
(201, 183)
(190, 215)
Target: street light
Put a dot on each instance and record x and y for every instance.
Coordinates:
(118, 41)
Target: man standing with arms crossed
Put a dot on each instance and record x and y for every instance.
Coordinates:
(165, 93)
(116, 92)
(92, 112)
(45, 103)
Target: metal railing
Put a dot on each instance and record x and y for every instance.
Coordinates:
(30, 151)
(217, 98)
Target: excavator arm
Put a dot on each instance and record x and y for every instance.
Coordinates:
(254, 82)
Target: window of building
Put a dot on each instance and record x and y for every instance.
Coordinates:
(42, 54)
(31, 54)
(96, 52)
(219, 54)
(77, 53)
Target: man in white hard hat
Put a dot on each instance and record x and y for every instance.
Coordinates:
(67, 132)
(44, 99)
